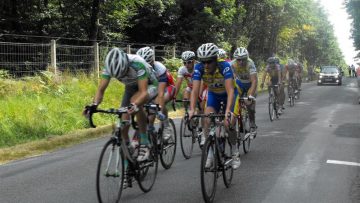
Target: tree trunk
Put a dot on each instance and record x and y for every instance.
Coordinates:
(94, 21)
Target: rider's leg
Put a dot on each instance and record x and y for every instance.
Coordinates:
(282, 96)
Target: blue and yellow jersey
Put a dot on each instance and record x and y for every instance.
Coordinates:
(214, 81)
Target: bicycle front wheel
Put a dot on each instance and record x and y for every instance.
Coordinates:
(208, 171)
(186, 139)
(110, 173)
(147, 170)
(168, 150)
(246, 131)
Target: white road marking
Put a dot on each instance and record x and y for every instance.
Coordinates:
(343, 163)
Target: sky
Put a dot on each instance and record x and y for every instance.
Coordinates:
(339, 18)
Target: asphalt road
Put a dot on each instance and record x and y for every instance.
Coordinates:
(311, 154)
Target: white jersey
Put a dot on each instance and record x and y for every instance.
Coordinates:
(183, 72)
(159, 69)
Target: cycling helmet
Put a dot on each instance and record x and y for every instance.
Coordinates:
(271, 60)
(146, 53)
(222, 54)
(208, 50)
(117, 63)
(187, 55)
(241, 53)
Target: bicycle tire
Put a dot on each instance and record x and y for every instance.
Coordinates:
(147, 171)
(185, 139)
(246, 129)
(114, 177)
(208, 196)
(168, 149)
(225, 155)
(271, 107)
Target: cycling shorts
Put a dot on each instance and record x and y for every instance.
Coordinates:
(215, 99)
(241, 90)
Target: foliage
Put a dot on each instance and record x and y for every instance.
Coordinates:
(172, 64)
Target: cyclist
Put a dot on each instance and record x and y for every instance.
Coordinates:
(222, 55)
(245, 83)
(166, 88)
(140, 85)
(273, 70)
(299, 69)
(219, 78)
(282, 86)
(290, 68)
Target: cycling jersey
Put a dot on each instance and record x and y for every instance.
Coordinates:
(162, 74)
(183, 72)
(214, 81)
(273, 70)
(138, 70)
(243, 73)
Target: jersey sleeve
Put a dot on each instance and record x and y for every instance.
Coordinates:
(226, 70)
(141, 71)
(252, 68)
(180, 73)
(198, 72)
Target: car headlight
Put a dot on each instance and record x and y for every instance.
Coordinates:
(336, 76)
(320, 76)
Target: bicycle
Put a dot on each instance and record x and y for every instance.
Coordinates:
(188, 136)
(166, 148)
(242, 126)
(218, 144)
(113, 158)
(291, 92)
(273, 102)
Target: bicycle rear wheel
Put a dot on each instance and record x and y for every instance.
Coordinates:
(271, 108)
(147, 170)
(226, 156)
(110, 173)
(186, 139)
(168, 150)
(208, 175)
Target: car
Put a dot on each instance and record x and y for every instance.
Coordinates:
(329, 75)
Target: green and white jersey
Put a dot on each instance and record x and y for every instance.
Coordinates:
(138, 70)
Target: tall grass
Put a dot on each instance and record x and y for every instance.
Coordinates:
(45, 105)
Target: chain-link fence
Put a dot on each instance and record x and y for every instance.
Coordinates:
(26, 59)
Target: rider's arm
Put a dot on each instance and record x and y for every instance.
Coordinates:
(160, 99)
(229, 86)
(178, 85)
(100, 91)
(253, 79)
(194, 94)
(143, 94)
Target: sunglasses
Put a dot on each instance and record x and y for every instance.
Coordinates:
(207, 62)
(242, 60)
(187, 62)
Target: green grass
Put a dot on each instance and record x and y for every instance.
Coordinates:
(43, 106)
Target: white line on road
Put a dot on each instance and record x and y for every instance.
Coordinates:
(343, 163)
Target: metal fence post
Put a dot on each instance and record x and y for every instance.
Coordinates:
(96, 59)
(53, 56)
(174, 51)
(128, 49)
(153, 48)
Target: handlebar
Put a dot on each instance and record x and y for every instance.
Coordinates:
(113, 111)
(211, 115)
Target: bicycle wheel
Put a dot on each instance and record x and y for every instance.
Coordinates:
(271, 108)
(110, 171)
(246, 132)
(208, 175)
(186, 139)
(225, 155)
(147, 170)
(168, 150)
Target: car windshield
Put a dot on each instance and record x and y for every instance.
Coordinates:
(329, 70)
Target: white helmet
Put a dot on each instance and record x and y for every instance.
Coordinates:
(117, 63)
(222, 54)
(241, 53)
(146, 53)
(208, 50)
(187, 55)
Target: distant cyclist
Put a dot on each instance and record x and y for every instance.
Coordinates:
(290, 69)
(219, 78)
(273, 70)
(166, 88)
(140, 85)
(245, 76)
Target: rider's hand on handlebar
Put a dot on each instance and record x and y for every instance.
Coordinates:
(251, 98)
(89, 109)
(133, 108)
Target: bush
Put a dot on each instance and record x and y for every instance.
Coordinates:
(172, 64)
